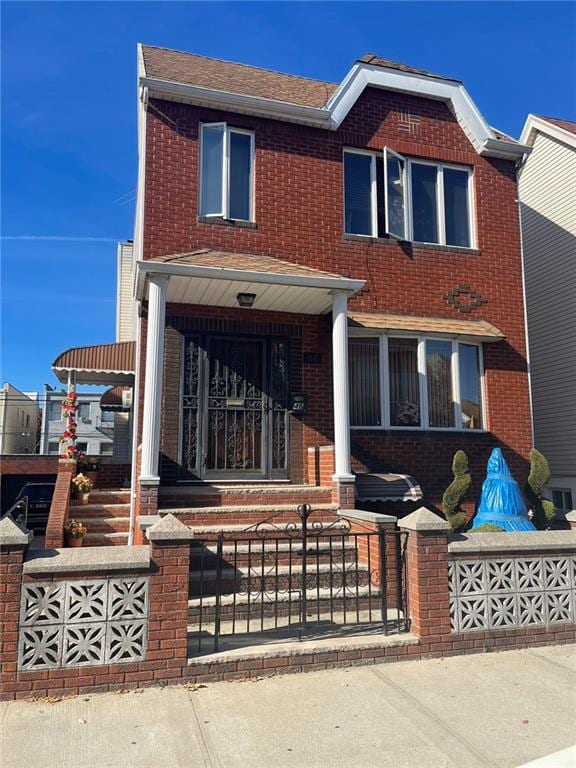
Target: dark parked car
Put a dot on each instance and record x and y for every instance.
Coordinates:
(32, 505)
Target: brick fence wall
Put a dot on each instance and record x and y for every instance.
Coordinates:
(154, 577)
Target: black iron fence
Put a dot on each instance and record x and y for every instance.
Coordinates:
(309, 578)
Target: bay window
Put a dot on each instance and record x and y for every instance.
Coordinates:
(405, 198)
(226, 172)
(415, 383)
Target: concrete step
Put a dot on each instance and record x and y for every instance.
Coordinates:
(276, 579)
(106, 540)
(242, 554)
(226, 494)
(112, 496)
(105, 524)
(254, 605)
(99, 510)
(271, 530)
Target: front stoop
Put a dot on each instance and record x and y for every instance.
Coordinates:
(301, 656)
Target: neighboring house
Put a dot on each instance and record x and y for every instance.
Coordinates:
(18, 421)
(547, 185)
(95, 430)
(327, 281)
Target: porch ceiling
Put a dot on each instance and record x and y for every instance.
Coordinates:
(215, 278)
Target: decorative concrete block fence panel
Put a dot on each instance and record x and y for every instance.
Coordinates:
(512, 581)
(511, 593)
(83, 623)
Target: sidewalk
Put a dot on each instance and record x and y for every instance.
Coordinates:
(498, 710)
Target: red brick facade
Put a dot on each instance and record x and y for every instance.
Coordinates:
(299, 218)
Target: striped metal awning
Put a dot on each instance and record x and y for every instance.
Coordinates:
(98, 364)
(387, 486)
(480, 330)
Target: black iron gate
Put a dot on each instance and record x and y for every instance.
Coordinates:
(303, 579)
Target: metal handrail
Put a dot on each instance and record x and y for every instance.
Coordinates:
(22, 506)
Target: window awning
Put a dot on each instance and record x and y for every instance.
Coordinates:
(215, 278)
(387, 487)
(98, 364)
(116, 399)
(478, 330)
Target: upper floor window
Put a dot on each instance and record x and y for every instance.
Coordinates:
(415, 382)
(226, 172)
(407, 199)
(55, 411)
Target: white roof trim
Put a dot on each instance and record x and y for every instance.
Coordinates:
(343, 99)
(536, 124)
(219, 273)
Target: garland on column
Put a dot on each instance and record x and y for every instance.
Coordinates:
(68, 440)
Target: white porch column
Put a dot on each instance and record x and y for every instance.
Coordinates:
(154, 367)
(341, 393)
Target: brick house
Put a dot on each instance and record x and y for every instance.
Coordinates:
(327, 282)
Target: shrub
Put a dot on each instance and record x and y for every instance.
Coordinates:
(455, 493)
(488, 528)
(544, 511)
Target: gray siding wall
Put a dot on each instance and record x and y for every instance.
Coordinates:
(548, 205)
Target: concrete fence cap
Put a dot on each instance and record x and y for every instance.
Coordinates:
(14, 535)
(168, 528)
(424, 519)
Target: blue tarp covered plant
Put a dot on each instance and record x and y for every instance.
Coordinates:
(501, 501)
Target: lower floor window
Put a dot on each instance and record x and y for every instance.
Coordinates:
(415, 382)
(562, 499)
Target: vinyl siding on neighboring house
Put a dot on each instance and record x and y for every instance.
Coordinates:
(547, 192)
(124, 303)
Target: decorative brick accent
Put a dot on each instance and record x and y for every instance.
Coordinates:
(60, 506)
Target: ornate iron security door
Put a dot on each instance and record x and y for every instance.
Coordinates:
(235, 399)
(237, 408)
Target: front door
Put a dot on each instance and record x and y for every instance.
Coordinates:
(235, 414)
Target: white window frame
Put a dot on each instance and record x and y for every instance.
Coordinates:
(423, 386)
(373, 191)
(407, 195)
(225, 206)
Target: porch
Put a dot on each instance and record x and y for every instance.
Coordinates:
(245, 369)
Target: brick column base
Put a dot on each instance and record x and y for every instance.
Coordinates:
(427, 573)
(13, 544)
(343, 494)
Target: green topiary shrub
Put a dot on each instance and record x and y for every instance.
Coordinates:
(544, 511)
(455, 493)
(488, 528)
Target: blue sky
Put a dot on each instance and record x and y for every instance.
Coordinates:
(69, 121)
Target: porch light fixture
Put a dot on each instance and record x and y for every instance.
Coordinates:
(246, 300)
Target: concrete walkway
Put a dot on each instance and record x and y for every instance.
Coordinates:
(498, 710)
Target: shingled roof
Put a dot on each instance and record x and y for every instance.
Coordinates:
(216, 74)
(202, 71)
(378, 61)
(567, 125)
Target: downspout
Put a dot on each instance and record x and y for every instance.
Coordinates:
(137, 256)
(135, 412)
(526, 334)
